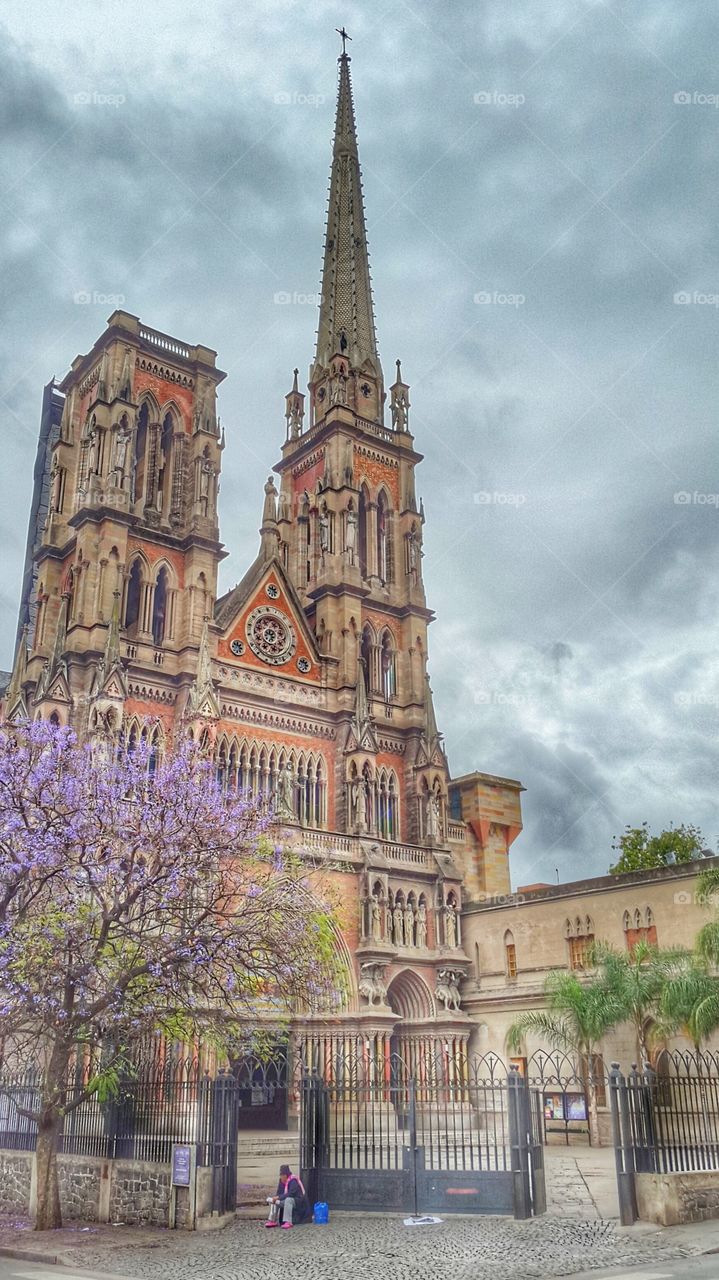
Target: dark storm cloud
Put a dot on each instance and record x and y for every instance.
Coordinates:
(532, 151)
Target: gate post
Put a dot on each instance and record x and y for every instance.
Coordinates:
(623, 1147)
(312, 1133)
(413, 1141)
(520, 1138)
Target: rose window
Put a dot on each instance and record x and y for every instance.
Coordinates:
(270, 635)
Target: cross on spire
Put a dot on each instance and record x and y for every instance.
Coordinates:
(344, 38)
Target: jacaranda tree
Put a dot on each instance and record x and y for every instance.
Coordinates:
(135, 899)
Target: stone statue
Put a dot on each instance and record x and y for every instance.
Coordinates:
(408, 925)
(398, 926)
(55, 475)
(92, 443)
(206, 474)
(450, 926)
(324, 531)
(447, 989)
(119, 457)
(351, 534)
(412, 553)
(432, 816)
(376, 919)
(286, 793)
(371, 983)
(422, 925)
(399, 408)
(361, 807)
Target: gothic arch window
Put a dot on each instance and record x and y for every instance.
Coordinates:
(639, 926)
(385, 557)
(321, 794)
(243, 771)
(388, 664)
(159, 607)
(154, 754)
(367, 652)
(55, 720)
(133, 598)
(140, 456)
(362, 507)
(233, 767)
(221, 766)
(392, 808)
(164, 476)
(132, 737)
(510, 956)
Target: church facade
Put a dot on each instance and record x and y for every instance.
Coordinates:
(308, 681)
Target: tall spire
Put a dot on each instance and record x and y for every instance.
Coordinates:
(346, 316)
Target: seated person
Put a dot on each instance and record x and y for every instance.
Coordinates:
(289, 1205)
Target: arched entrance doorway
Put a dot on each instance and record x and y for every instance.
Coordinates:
(413, 1041)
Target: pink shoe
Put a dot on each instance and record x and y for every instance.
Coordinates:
(271, 1223)
(286, 1226)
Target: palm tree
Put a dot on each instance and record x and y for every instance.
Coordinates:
(578, 1015)
(690, 1002)
(637, 979)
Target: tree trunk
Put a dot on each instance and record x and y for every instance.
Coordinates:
(47, 1212)
(593, 1111)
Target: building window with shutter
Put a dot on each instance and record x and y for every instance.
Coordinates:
(510, 956)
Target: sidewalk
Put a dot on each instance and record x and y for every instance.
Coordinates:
(581, 1183)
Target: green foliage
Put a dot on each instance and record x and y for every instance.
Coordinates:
(578, 1015)
(639, 850)
(689, 1002)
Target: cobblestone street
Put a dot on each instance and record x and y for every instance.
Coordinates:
(382, 1248)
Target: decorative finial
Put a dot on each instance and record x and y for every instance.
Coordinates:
(399, 371)
(344, 38)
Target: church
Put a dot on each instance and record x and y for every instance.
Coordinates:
(308, 682)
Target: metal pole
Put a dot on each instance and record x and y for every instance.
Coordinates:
(623, 1147)
(413, 1140)
(519, 1140)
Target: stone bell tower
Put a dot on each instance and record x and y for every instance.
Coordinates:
(349, 526)
(126, 562)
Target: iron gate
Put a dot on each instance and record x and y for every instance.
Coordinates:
(465, 1141)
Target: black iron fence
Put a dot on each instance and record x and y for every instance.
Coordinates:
(152, 1109)
(665, 1119)
(438, 1134)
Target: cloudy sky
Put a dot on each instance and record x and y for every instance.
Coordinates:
(540, 181)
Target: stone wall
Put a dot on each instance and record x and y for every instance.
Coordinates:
(15, 1178)
(96, 1190)
(674, 1198)
(80, 1181)
(140, 1193)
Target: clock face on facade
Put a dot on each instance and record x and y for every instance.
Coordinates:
(270, 635)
